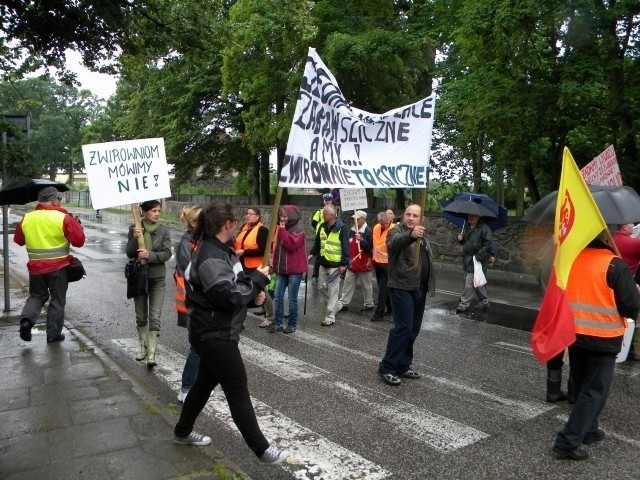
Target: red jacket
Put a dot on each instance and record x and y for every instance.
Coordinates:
(72, 231)
(629, 249)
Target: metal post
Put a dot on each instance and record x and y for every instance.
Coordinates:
(5, 232)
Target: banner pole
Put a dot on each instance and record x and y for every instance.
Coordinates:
(272, 226)
(422, 195)
(137, 222)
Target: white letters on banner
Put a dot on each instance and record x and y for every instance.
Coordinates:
(353, 198)
(130, 171)
(603, 170)
(334, 145)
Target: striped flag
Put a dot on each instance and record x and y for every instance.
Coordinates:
(578, 221)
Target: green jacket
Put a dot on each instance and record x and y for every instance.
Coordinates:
(477, 241)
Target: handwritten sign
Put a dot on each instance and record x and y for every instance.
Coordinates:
(130, 171)
(353, 198)
(603, 170)
(332, 144)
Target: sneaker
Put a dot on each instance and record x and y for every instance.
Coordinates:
(25, 330)
(411, 373)
(181, 396)
(390, 379)
(193, 439)
(289, 329)
(59, 338)
(274, 329)
(274, 456)
(327, 323)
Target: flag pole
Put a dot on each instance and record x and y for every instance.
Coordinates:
(422, 198)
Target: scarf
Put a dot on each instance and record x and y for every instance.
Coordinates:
(149, 228)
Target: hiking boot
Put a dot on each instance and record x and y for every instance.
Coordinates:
(193, 439)
(25, 329)
(274, 456)
(594, 437)
(274, 328)
(289, 329)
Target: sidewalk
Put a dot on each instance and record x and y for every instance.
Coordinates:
(68, 412)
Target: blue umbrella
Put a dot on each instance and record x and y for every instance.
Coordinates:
(459, 219)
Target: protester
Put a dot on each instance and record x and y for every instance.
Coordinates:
(629, 248)
(316, 220)
(360, 264)
(409, 284)
(380, 262)
(218, 294)
(156, 252)
(476, 241)
(183, 250)
(289, 264)
(250, 245)
(47, 233)
(601, 293)
(332, 248)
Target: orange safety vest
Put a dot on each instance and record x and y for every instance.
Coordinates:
(181, 289)
(379, 239)
(249, 241)
(592, 302)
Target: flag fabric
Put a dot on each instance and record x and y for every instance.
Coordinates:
(578, 221)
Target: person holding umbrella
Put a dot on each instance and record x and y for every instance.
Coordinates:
(47, 233)
(476, 241)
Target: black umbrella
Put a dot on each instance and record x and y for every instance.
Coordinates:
(462, 208)
(499, 220)
(25, 191)
(618, 205)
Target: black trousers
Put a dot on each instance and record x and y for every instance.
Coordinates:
(52, 288)
(383, 291)
(592, 375)
(221, 363)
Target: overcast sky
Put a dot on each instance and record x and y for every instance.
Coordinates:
(101, 85)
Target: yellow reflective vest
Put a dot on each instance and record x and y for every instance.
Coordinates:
(44, 235)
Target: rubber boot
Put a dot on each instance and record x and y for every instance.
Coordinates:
(153, 343)
(554, 383)
(143, 332)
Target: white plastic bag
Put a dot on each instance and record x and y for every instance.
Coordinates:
(478, 275)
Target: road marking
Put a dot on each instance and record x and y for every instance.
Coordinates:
(314, 456)
(524, 410)
(514, 347)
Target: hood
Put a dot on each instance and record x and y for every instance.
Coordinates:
(293, 213)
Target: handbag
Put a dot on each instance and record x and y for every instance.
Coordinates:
(478, 275)
(136, 275)
(75, 270)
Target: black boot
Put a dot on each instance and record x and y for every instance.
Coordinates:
(554, 382)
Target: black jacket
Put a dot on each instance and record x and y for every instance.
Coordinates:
(219, 292)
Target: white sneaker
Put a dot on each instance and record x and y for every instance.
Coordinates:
(274, 456)
(181, 396)
(193, 439)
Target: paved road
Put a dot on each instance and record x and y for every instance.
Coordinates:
(478, 412)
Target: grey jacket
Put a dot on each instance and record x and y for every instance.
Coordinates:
(402, 271)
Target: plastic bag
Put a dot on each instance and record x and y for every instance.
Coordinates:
(478, 275)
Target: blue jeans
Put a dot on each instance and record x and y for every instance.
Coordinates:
(292, 282)
(190, 370)
(408, 310)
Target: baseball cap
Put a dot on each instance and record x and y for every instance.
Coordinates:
(327, 196)
(360, 214)
(47, 194)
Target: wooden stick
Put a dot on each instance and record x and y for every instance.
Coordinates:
(421, 201)
(137, 222)
(272, 226)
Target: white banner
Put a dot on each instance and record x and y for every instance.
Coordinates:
(334, 145)
(130, 171)
(603, 170)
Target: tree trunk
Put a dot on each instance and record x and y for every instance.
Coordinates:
(265, 190)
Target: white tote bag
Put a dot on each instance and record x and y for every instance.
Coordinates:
(478, 275)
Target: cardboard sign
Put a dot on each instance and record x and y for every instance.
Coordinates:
(603, 170)
(353, 198)
(130, 171)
